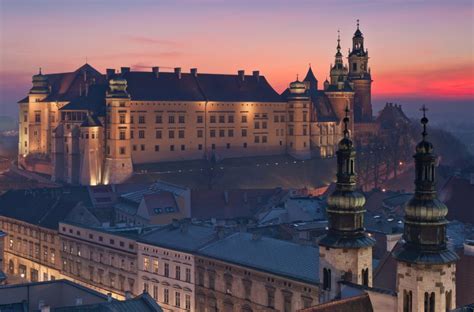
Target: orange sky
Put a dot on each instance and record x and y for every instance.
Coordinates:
(417, 49)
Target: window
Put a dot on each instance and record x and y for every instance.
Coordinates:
(213, 146)
(158, 134)
(271, 298)
(187, 302)
(25, 117)
(282, 118)
(134, 147)
(257, 139)
(230, 118)
(171, 119)
(122, 135)
(177, 299)
(155, 266)
(183, 147)
(212, 281)
(145, 287)
(407, 301)
(132, 120)
(122, 150)
(257, 125)
(291, 117)
(171, 147)
(287, 303)
(167, 270)
(326, 279)
(131, 134)
(166, 296)
(221, 133)
(141, 119)
(171, 134)
(228, 145)
(158, 119)
(142, 147)
(157, 148)
(429, 302)
(146, 264)
(365, 277)
(275, 118)
(188, 275)
(222, 119)
(212, 133)
(141, 134)
(230, 133)
(37, 117)
(290, 130)
(244, 118)
(245, 145)
(213, 119)
(305, 130)
(199, 133)
(181, 134)
(264, 125)
(354, 66)
(244, 132)
(200, 119)
(305, 116)
(200, 147)
(155, 292)
(122, 118)
(181, 119)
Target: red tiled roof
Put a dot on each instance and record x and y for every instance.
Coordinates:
(359, 303)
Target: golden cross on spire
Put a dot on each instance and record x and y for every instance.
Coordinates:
(424, 121)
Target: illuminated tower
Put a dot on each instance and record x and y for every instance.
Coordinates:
(298, 142)
(91, 148)
(359, 75)
(426, 268)
(118, 154)
(345, 253)
(340, 91)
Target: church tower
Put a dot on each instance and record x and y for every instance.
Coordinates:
(118, 154)
(346, 250)
(359, 75)
(426, 268)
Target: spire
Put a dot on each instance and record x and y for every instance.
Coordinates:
(425, 215)
(39, 73)
(346, 122)
(357, 24)
(338, 41)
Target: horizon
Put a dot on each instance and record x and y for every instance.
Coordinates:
(419, 53)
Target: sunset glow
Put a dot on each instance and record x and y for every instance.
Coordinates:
(417, 49)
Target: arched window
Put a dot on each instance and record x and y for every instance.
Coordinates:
(432, 302)
(407, 301)
(326, 279)
(429, 302)
(365, 277)
(449, 300)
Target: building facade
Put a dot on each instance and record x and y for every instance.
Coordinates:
(92, 128)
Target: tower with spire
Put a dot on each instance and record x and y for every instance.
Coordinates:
(426, 267)
(359, 75)
(346, 250)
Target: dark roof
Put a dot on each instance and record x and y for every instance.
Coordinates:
(141, 303)
(271, 255)
(310, 77)
(321, 105)
(94, 101)
(335, 88)
(68, 86)
(391, 115)
(360, 303)
(24, 100)
(458, 195)
(42, 207)
(91, 121)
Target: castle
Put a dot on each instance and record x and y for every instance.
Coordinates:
(89, 128)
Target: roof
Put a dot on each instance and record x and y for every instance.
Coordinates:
(360, 303)
(186, 236)
(458, 194)
(271, 255)
(228, 204)
(160, 203)
(141, 303)
(91, 121)
(44, 207)
(391, 115)
(321, 105)
(94, 100)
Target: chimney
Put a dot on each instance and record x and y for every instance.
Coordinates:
(177, 71)
(156, 71)
(110, 73)
(125, 70)
(109, 297)
(241, 74)
(194, 72)
(256, 74)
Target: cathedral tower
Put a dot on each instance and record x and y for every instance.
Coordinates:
(425, 266)
(299, 104)
(359, 75)
(346, 250)
(118, 154)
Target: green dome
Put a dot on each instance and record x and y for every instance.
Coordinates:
(427, 210)
(346, 200)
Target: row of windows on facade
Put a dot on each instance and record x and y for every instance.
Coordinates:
(257, 139)
(23, 272)
(117, 261)
(25, 230)
(97, 275)
(153, 267)
(200, 119)
(166, 297)
(200, 133)
(32, 250)
(99, 238)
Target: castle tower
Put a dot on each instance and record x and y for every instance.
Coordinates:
(345, 253)
(34, 115)
(359, 75)
(118, 154)
(340, 90)
(426, 268)
(92, 137)
(298, 142)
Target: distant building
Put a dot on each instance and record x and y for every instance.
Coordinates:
(84, 127)
(64, 295)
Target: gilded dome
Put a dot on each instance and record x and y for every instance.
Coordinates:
(346, 200)
(425, 209)
(297, 87)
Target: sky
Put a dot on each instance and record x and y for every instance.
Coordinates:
(420, 51)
